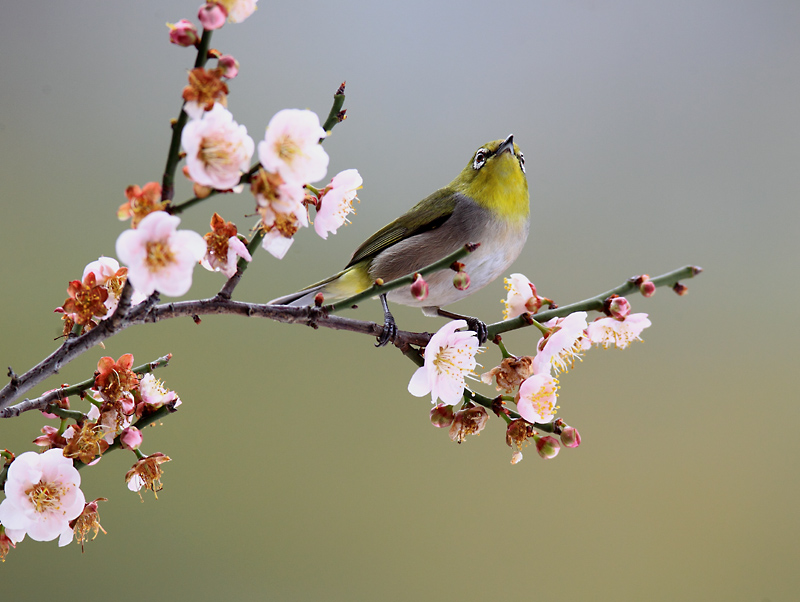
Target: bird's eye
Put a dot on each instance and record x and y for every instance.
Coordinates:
(480, 159)
(522, 162)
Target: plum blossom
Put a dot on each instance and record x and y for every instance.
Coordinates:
(558, 350)
(212, 15)
(154, 394)
(160, 257)
(146, 473)
(223, 247)
(521, 297)
(611, 331)
(239, 10)
(280, 205)
(42, 496)
(218, 150)
(112, 277)
(291, 147)
(337, 202)
(537, 397)
(449, 357)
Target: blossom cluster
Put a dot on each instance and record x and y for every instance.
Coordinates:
(531, 382)
(43, 498)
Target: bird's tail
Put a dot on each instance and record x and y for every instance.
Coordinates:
(348, 282)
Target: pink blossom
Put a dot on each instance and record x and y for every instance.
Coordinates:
(229, 65)
(159, 256)
(559, 349)
(218, 150)
(155, 394)
(337, 202)
(291, 147)
(42, 496)
(183, 33)
(449, 357)
(537, 397)
(236, 249)
(239, 10)
(611, 331)
(212, 15)
(276, 243)
(521, 298)
(130, 438)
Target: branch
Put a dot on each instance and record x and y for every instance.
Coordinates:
(592, 303)
(384, 287)
(41, 402)
(311, 316)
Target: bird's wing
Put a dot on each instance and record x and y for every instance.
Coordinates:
(428, 214)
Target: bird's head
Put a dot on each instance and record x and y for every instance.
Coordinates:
(495, 179)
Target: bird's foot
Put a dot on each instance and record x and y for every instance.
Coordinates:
(389, 326)
(389, 331)
(477, 326)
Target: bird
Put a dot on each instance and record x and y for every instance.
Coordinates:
(487, 203)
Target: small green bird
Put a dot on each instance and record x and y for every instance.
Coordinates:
(486, 203)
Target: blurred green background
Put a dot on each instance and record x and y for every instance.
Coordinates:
(656, 134)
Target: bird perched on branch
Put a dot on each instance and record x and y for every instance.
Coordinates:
(486, 203)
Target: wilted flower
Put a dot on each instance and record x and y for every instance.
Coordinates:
(469, 421)
(141, 202)
(146, 473)
(510, 373)
(204, 90)
(88, 520)
(223, 247)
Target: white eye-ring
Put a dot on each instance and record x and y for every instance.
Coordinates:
(480, 159)
(522, 162)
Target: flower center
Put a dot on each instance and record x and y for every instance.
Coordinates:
(44, 496)
(448, 361)
(287, 148)
(159, 255)
(215, 153)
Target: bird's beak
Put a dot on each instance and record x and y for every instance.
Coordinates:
(507, 145)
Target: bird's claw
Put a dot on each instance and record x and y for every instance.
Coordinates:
(479, 328)
(389, 331)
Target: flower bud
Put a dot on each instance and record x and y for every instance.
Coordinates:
(442, 416)
(680, 289)
(619, 307)
(130, 438)
(461, 280)
(647, 287)
(570, 437)
(212, 15)
(229, 66)
(183, 33)
(548, 447)
(419, 288)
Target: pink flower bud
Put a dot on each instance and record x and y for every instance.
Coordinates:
(419, 288)
(130, 438)
(570, 437)
(619, 308)
(548, 447)
(647, 287)
(442, 416)
(229, 66)
(461, 281)
(212, 15)
(183, 33)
